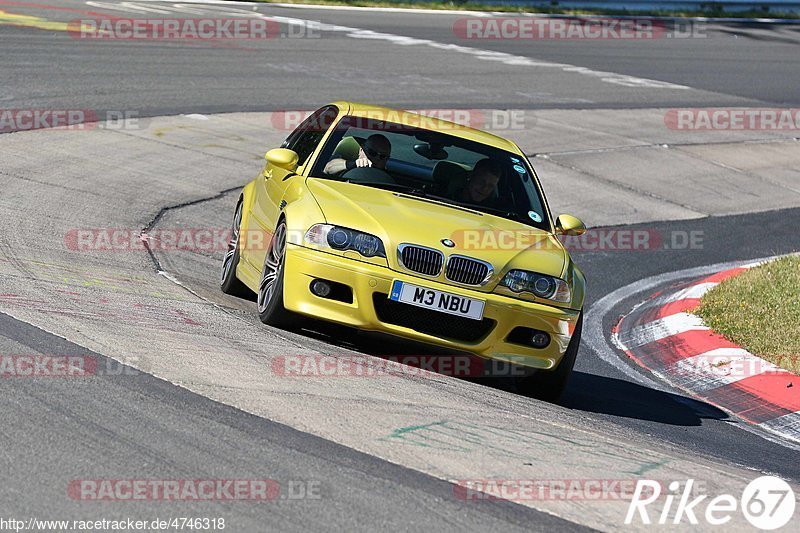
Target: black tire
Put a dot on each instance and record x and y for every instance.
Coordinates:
(549, 385)
(270, 287)
(229, 283)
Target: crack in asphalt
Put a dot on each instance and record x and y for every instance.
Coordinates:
(164, 210)
(665, 145)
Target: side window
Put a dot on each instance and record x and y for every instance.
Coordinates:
(307, 136)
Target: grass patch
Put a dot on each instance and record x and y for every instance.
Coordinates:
(760, 311)
(712, 10)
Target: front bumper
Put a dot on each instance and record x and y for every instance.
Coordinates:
(303, 265)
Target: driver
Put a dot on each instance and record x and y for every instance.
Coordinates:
(482, 183)
(373, 153)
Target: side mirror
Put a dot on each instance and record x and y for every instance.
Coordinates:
(570, 225)
(283, 158)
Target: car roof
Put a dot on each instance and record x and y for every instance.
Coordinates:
(408, 118)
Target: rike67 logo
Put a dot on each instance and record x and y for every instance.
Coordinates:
(767, 503)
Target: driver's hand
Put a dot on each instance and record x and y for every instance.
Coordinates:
(363, 160)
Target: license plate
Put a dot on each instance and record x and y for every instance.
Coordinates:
(443, 302)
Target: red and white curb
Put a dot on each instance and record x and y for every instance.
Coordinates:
(663, 336)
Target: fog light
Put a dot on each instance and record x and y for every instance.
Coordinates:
(540, 339)
(321, 288)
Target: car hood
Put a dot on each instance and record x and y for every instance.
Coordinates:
(397, 218)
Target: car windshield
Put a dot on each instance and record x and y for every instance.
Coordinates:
(435, 166)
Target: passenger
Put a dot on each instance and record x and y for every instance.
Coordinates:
(482, 183)
(373, 153)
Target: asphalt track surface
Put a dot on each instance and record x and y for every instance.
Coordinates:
(140, 426)
(724, 64)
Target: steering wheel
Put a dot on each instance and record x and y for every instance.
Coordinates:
(368, 175)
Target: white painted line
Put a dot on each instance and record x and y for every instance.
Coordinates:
(754, 264)
(661, 329)
(186, 9)
(719, 367)
(488, 55)
(517, 14)
(414, 10)
(695, 291)
(402, 40)
(595, 339)
(211, 2)
(130, 7)
(424, 11)
(788, 424)
(604, 346)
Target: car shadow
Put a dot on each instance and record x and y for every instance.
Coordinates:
(585, 392)
(617, 397)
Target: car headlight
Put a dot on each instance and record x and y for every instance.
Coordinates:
(343, 239)
(541, 286)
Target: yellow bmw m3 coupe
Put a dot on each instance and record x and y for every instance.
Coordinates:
(394, 222)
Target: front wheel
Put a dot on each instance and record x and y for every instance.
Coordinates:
(549, 385)
(270, 288)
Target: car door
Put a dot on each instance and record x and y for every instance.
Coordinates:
(271, 185)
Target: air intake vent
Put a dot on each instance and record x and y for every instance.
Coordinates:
(467, 271)
(425, 261)
(431, 322)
